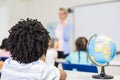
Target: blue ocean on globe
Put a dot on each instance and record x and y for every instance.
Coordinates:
(101, 50)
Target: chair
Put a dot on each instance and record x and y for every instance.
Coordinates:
(3, 58)
(80, 67)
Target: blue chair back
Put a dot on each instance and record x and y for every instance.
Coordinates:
(3, 58)
(80, 67)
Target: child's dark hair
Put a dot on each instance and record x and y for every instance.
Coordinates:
(81, 44)
(5, 45)
(28, 40)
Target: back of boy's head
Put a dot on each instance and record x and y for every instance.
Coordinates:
(28, 40)
(5, 45)
(81, 44)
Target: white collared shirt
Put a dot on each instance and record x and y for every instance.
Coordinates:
(38, 70)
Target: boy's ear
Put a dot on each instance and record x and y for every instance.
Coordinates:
(43, 58)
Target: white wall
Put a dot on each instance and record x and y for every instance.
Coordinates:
(43, 10)
(4, 19)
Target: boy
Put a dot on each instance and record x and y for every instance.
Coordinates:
(28, 45)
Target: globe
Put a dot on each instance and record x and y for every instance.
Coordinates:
(101, 50)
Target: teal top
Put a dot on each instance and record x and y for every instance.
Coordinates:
(78, 58)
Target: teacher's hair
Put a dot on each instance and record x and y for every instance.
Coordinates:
(28, 41)
(64, 10)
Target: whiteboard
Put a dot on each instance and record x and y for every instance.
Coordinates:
(101, 19)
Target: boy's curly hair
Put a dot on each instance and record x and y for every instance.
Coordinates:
(28, 41)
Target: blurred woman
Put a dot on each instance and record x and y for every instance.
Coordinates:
(80, 55)
(62, 34)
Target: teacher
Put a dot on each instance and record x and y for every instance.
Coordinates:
(62, 34)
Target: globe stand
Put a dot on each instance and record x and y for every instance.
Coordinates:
(102, 75)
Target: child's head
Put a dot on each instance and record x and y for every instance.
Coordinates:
(5, 44)
(28, 40)
(81, 44)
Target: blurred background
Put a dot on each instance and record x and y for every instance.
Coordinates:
(46, 11)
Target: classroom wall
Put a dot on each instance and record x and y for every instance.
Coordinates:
(4, 20)
(43, 10)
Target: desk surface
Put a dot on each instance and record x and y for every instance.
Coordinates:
(72, 75)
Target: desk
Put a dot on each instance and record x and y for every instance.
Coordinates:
(72, 75)
(113, 68)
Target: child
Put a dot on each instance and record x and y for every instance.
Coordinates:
(4, 48)
(80, 55)
(51, 54)
(28, 45)
(4, 51)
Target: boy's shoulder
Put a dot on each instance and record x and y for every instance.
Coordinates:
(38, 67)
(49, 72)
